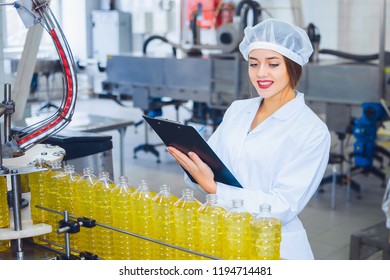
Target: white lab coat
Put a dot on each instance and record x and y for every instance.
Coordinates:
(281, 162)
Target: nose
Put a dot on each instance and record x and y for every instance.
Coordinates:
(262, 71)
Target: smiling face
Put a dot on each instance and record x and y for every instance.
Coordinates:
(268, 73)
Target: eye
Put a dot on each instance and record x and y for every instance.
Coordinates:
(274, 65)
(253, 64)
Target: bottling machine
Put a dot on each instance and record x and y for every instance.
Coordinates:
(21, 149)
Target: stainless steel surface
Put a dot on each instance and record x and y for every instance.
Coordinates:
(215, 80)
(16, 191)
(220, 79)
(43, 65)
(382, 44)
(31, 252)
(338, 82)
(67, 238)
(93, 123)
(7, 116)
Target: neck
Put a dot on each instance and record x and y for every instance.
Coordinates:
(273, 103)
(270, 105)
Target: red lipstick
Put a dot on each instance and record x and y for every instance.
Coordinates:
(264, 84)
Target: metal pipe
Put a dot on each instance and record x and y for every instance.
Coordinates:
(136, 235)
(183, 19)
(16, 190)
(382, 42)
(7, 116)
(67, 240)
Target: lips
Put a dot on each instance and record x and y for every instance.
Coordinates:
(264, 84)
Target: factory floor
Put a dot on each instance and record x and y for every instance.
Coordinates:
(329, 230)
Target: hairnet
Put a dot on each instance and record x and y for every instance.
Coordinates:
(272, 34)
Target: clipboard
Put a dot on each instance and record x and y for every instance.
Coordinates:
(186, 138)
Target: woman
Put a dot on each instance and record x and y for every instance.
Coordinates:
(274, 144)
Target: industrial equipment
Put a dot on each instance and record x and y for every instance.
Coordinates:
(20, 149)
(111, 34)
(213, 76)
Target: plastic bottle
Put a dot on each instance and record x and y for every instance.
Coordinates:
(53, 183)
(237, 233)
(103, 215)
(67, 193)
(36, 181)
(142, 222)
(186, 225)
(163, 225)
(4, 212)
(85, 202)
(266, 235)
(211, 226)
(122, 218)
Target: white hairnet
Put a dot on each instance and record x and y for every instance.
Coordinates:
(285, 38)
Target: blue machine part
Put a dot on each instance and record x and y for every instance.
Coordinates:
(365, 130)
(157, 112)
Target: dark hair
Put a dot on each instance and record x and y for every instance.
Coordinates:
(294, 71)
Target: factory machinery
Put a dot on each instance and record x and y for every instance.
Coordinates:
(343, 89)
(22, 155)
(21, 149)
(220, 76)
(211, 81)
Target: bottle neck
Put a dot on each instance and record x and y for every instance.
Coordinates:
(265, 210)
(56, 165)
(212, 199)
(188, 194)
(104, 175)
(165, 190)
(69, 168)
(88, 172)
(238, 206)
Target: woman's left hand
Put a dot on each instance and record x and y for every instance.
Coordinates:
(199, 170)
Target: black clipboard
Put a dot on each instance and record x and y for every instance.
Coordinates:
(186, 138)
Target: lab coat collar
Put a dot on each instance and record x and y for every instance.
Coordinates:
(289, 109)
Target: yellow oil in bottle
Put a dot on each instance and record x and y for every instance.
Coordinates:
(266, 235)
(103, 215)
(122, 218)
(186, 225)
(36, 181)
(210, 216)
(4, 212)
(237, 232)
(67, 194)
(143, 224)
(163, 223)
(53, 183)
(85, 202)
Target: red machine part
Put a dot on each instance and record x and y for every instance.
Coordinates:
(210, 13)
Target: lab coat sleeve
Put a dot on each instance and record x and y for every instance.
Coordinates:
(192, 185)
(211, 142)
(294, 184)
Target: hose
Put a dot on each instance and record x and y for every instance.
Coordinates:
(154, 37)
(36, 133)
(360, 58)
(256, 8)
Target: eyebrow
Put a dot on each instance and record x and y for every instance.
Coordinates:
(267, 58)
